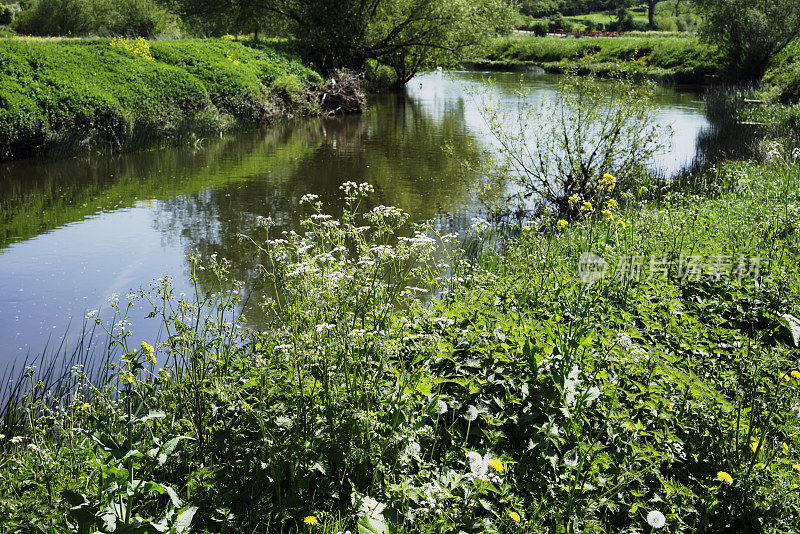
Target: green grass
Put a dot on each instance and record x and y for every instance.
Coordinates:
(681, 59)
(600, 403)
(76, 93)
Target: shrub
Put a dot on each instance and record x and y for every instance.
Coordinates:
(6, 15)
(129, 18)
(540, 27)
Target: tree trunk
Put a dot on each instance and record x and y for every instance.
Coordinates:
(651, 13)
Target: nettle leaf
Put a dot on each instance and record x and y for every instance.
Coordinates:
(183, 521)
(793, 324)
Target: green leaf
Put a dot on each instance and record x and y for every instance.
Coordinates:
(183, 522)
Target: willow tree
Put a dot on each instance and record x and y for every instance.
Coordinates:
(750, 33)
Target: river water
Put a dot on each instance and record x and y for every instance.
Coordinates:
(75, 231)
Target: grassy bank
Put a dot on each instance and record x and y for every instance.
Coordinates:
(679, 59)
(521, 399)
(63, 95)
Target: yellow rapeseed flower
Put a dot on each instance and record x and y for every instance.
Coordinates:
(796, 374)
(497, 465)
(612, 204)
(127, 378)
(607, 215)
(621, 224)
(725, 477)
(310, 520)
(85, 407)
(796, 467)
(526, 228)
(574, 199)
(514, 516)
(561, 224)
(148, 351)
(586, 206)
(608, 181)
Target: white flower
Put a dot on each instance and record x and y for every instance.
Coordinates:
(476, 464)
(656, 519)
(309, 199)
(413, 450)
(16, 439)
(796, 409)
(441, 407)
(472, 413)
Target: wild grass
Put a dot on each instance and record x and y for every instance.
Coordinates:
(680, 59)
(492, 392)
(71, 95)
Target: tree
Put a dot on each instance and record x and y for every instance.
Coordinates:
(651, 13)
(749, 32)
(404, 34)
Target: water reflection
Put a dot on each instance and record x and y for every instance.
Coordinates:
(72, 232)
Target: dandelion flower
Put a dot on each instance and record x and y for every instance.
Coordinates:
(441, 407)
(497, 465)
(477, 464)
(310, 520)
(514, 516)
(656, 519)
(562, 224)
(472, 413)
(722, 476)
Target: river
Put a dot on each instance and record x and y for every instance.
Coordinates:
(75, 231)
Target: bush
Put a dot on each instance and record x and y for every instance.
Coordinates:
(6, 15)
(540, 27)
(129, 18)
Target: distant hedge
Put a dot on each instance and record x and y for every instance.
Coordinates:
(68, 94)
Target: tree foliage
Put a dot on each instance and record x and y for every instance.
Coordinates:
(404, 34)
(750, 33)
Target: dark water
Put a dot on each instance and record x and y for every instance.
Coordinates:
(73, 232)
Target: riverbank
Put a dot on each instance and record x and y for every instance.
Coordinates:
(666, 59)
(520, 399)
(65, 95)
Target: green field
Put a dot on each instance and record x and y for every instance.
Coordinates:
(680, 59)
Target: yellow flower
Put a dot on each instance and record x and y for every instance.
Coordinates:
(127, 378)
(561, 224)
(754, 446)
(586, 206)
(574, 199)
(786, 377)
(629, 427)
(148, 351)
(497, 465)
(310, 520)
(725, 477)
(526, 228)
(796, 374)
(785, 448)
(607, 215)
(514, 516)
(796, 467)
(85, 407)
(621, 224)
(608, 181)
(612, 204)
